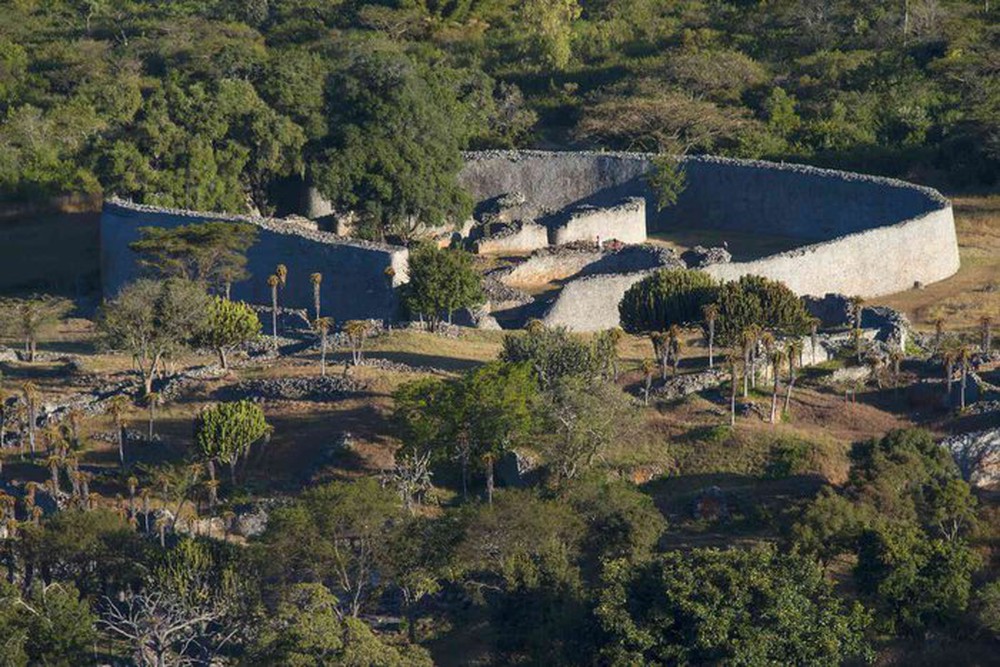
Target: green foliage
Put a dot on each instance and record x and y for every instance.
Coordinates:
(555, 353)
(736, 607)
(915, 582)
(225, 432)
(333, 535)
(51, 625)
(788, 457)
(757, 301)
(667, 179)
(152, 319)
(306, 631)
(31, 317)
(669, 296)
(230, 324)
(397, 127)
(441, 282)
(213, 253)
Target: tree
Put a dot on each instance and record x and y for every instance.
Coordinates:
(31, 396)
(441, 282)
(151, 319)
(761, 302)
(47, 625)
(584, 419)
(358, 332)
(710, 313)
(667, 179)
(393, 154)
(335, 535)
(497, 413)
(669, 296)
(986, 334)
(32, 317)
(554, 353)
(273, 281)
(306, 629)
(322, 325)
(316, 279)
(116, 408)
(226, 431)
(212, 253)
(549, 28)
(738, 606)
(230, 324)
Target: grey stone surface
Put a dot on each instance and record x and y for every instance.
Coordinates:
(624, 221)
(516, 237)
(699, 257)
(977, 455)
(355, 284)
(861, 235)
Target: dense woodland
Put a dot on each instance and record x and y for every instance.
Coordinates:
(838, 533)
(213, 104)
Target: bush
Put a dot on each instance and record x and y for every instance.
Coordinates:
(669, 296)
(753, 300)
(788, 457)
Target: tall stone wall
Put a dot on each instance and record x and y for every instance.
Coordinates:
(860, 234)
(355, 285)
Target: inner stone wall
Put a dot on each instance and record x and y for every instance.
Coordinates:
(355, 285)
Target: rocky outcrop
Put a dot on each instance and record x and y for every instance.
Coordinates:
(977, 455)
(329, 388)
(699, 257)
(691, 383)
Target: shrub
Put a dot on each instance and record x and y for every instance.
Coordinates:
(669, 296)
(753, 300)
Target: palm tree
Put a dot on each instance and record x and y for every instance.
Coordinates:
(964, 357)
(661, 350)
(282, 272)
(794, 352)
(273, 282)
(152, 400)
(749, 339)
(647, 369)
(31, 397)
(733, 357)
(4, 396)
(316, 279)
(54, 462)
(322, 325)
(813, 336)
(116, 409)
(675, 345)
(777, 356)
(949, 357)
(858, 339)
(857, 304)
(938, 331)
(986, 325)
(711, 313)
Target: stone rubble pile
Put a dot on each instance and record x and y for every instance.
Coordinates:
(977, 455)
(327, 388)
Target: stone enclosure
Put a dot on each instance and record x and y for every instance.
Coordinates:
(853, 234)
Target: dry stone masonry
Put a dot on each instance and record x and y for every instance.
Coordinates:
(860, 235)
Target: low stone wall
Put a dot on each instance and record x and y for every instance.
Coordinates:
(355, 285)
(625, 222)
(526, 238)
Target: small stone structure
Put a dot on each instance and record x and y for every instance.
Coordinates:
(625, 222)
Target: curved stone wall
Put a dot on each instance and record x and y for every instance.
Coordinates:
(860, 234)
(354, 286)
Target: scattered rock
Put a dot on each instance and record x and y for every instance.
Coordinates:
(327, 388)
(690, 383)
(700, 256)
(849, 375)
(518, 468)
(977, 455)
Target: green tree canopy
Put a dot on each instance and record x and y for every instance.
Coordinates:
(667, 297)
(441, 282)
(226, 431)
(739, 607)
(756, 301)
(230, 324)
(213, 253)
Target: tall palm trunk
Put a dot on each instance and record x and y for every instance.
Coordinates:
(274, 315)
(322, 353)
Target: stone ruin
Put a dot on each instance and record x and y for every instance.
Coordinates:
(580, 220)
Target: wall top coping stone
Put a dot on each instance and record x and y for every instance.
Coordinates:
(516, 155)
(276, 225)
